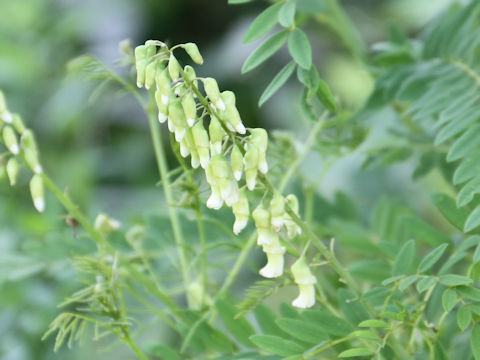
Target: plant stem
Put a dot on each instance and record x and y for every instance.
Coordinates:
(174, 219)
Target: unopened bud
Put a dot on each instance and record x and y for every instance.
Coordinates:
(217, 134)
(192, 51)
(241, 211)
(190, 108)
(292, 228)
(27, 141)
(162, 104)
(259, 138)
(231, 115)
(31, 158)
(10, 139)
(3, 103)
(12, 170)
(237, 162)
(200, 138)
(162, 79)
(275, 261)
(17, 123)
(250, 162)
(190, 75)
(211, 89)
(37, 192)
(176, 117)
(141, 64)
(105, 224)
(173, 67)
(261, 216)
(277, 211)
(150, 72)
(305, 281)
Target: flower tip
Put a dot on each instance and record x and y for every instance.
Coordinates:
(240, 129)
(7, 117)
(190, 122)
(165, 99)
(251, 184)
(204, 161)
(39, 204)
(38, 169)
(139, 84)
(214, 203)
(171, 126)
(162, 118)
(263, 167)
(302, 303)
(237, 175)
(14, 149)
(220, 105)
(239, 225)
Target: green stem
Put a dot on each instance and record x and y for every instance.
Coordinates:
(128, 340)
(174, 219)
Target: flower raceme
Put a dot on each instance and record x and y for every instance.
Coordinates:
(223, 148)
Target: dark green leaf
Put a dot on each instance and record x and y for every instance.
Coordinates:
(454, 280)
(404, 259)
(473, 220)
(266, 320)
(449, 299)
(353, 309)
(329, 323)
(265, 51)
(263, 23)
(302, 330)
(235, 2)
(448, 208)
(431, 258)
(355, 352)
(286, 14)
(240, 328)
(373, 323)
(277, 82)
(277, 345)
(464, 317)
(300, 49)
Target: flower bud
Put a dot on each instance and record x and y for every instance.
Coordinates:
(150, 74)
(190, 108)
(151, 48)
(141, 64)
(192, 51)
(277, 211)
(195, 295)
(261, 216)
(162, 104)
(3, 103)
(275, 261)
(163, 82)
(242, 212)
(173, 67)
(305, 281)
(105, 224)
(18, 123)
(31, 158)
(237, 162)
(231, 115)
(200, 138)
(37, 192)
(292, 228)
(12, 170)
(190, 75)
(10, 139)
(217, 134)
(27, 141)
(211, 89)
(135, 235)
(176, 119)
(250, 162)
(259, 138)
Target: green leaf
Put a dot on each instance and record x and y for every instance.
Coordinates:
(300, 49)
(365, 334)
(266, 320)
(265, 51)
(330, 324)
(469, 242)
(425, 284)
(464, 317)
(468, 168)
(473, 220)
(420, 230)
(469, 292)
(263, 23)
(465, 143)
(476, 255)
(408, 281)
(353, 309)
(277, 345)
(355, 352)
(475, 341)
(236, 2)
(277, 82)
(431, 258)
(312, 6)
(446, 205)
(240, 328)
(286, 15)
(324, 94)
(404, 259)
(373, 323)
(449, 299)
(302, 330)
(286, 310)
(468, 191)
(162, 351)
(454, 280)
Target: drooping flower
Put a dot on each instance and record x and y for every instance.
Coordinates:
(241, 211)
(305, 282)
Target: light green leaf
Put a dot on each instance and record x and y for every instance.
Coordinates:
(236, 2)
(329, 323)
(365, 334)
(421, 230)
(468, 168)
(392, 279)
(312, 6)
(404, 259)
(431, 258)
(425, 284)
(468, 191)
(302, 330)
(277, 345)
(476, 255)
(446, 205)
(325, 95)
(300, 49)
(286, 15)
(469, 292)
(408, 281)
(355, 352)
(373, 323)
(240, 328)
(265, 51)
(266, 320)
(475, 341)
(464, 317)
(473, 220)
(465, 143)
(162, 351)
(277, 82)
(353, 309)
(449, 299)
(454, 280)
(263, 23)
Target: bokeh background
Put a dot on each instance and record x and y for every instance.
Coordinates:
(98, 147)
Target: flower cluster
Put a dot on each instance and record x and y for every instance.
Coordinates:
(226, 150)
(21, 146)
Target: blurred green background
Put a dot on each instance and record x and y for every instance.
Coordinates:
(98, 149)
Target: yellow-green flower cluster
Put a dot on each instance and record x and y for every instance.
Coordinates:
(225, 151)
(21, 145)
